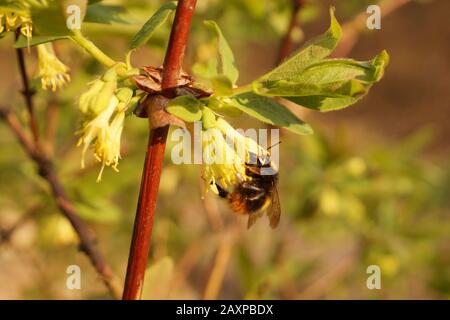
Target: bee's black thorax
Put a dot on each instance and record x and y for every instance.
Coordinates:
(254, 193)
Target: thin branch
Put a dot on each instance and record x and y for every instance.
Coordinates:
(47, 171)
(51, 126)
(143, 224)
(288, 44)
(353, 29)
(6, 233)
(221, 262)
(28, 94)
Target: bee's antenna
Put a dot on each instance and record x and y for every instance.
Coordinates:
(274, 145)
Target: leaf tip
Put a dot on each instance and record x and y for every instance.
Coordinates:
(335, 27)
(308, 130)
(380, 62)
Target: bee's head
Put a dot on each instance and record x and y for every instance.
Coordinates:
(258, 161)
(261, 161)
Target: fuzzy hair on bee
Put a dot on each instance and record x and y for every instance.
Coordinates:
(256, 194)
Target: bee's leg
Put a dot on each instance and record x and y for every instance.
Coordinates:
(257, 196)
(222, 192)
(250, 187)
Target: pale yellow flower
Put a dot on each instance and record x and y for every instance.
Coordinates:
(225, 152)
(103, 130)
(12, 20)
(53, 73)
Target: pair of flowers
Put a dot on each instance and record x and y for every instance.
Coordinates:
(104, 107)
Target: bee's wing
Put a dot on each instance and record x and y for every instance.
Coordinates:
(274, 211)
(253, 217)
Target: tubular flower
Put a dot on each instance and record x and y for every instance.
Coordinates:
(97, 98)
(103, 129)
(11, 20)
(225, 152)
(53, 73)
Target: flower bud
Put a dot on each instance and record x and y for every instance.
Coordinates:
(110, 75)
(86, 99)
(208, 118)
(101, 101)
(124, 94)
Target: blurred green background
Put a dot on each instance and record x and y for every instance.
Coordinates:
(371, 187)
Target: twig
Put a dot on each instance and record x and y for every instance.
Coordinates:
(28, 95)
(47, 171)
(221, 262)
(6, 233)
(51, 126)
(288, 44)
(353, 28)
(143, 224)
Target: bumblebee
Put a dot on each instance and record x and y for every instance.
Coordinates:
(256, 194)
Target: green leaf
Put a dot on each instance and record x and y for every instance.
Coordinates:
(228, 64)
(312, 52)
(187, 108)
(324, 103)
(271, 112)
(223, 107)
(352, 81)
(322, 84)
(50, 21)
(207, 70)
(106, 14)
(222, 86)
(147, 30)
(24, 42)
(334, 77)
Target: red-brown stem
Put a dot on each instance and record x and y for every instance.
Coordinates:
(143, 223)
(287, 44)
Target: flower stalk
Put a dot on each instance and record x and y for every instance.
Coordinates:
(92, 49)
(140, 244)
